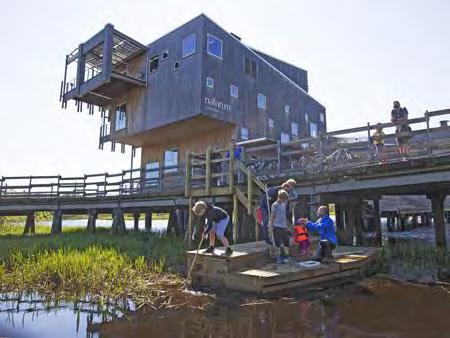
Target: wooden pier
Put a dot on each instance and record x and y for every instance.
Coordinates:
(250, 269)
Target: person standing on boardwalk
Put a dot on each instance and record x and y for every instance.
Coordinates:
(267, 199)
(216, 221)
(378, 140)
(324, 226)
(278, 224)
(399, 116)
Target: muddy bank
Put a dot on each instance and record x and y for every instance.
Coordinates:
(375, 307)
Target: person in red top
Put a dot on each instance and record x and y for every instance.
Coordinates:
(301, 237)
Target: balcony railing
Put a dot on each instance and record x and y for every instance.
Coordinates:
(106, 65)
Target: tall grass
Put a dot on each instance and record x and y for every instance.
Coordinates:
(100, 266)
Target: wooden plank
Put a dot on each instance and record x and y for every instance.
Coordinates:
(208, 171)
(231, 166)
(241, 197)
(235, 218)
(187, 176)
(249, 193)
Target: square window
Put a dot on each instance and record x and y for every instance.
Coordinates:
(294, 128)
(154, 63)
(244, 133)
(287, 108)
(189, 45)
(284, 138)
(322, 117)
(209, 82)
(306, 117)
(234, 91)
(250, 67)
(176, 65)
(165, 54)
(170, 160)
(121, 117)
(271, 123)
(313, 129)
(214, 46)
(261, 101)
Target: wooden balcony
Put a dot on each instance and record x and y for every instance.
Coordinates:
(107, 65)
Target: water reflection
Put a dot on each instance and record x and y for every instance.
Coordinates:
(34, 316)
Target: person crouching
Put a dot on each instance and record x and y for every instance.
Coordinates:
(278, 224)
(216, 221)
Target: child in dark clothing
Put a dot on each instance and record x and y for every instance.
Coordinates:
(216, 223)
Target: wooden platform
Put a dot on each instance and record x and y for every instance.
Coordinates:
(250, 269)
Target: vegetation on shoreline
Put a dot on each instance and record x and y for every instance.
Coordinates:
(103, 267)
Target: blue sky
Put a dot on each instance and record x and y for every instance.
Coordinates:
(360, 56)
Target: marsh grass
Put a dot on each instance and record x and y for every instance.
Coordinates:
(101, 266)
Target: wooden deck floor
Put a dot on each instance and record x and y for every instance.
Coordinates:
(250, 269)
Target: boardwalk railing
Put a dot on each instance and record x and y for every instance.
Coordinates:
(217, 172)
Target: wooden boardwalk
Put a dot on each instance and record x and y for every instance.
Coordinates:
(250, 269)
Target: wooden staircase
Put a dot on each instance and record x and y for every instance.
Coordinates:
(237, 182)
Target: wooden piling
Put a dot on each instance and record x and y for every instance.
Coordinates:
(118, 223)
(208, 172)
(92, 220)
(148, 221)
(377, 221)
(190, 221)
(235, 219)
(57, 222)
(437, 205)
(29, 224)
(136, 216)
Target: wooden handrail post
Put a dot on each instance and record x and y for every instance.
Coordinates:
(278, 157)
(84, 186)
(208, 172)
(430, 147)
(190, 221)
(1, 186)
(58, 184)
(106, 181)
(231, 170)
(29, 186)
(235, 219)
(249, 192)
(187, 176)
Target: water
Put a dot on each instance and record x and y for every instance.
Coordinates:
(33, 316)
(375, 308)
(158, 225)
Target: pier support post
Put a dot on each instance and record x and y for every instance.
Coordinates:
(118, 223)
(136, 216)
(437, 205)
(57, 222)
(377, 221)
(148, 221)
(30, 223)
(190, 221)
(340, 225)
(92, 220)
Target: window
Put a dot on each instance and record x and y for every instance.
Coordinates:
(176, 65)
(322, 117)
(189, 45)
(209, 82)
(261, 101)
(306, 117)
(294, 129)
(165, 54)
(284, 138)
(244, 133)
(250, 67)
(313, 129)
(234, 91)
(121, 117)
(214, 46)
(170, 160)
(154, 63)
(151, 174)
(271, 123)
(287, 109)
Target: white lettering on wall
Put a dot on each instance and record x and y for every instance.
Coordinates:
(212, 102)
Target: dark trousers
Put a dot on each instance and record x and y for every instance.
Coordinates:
(325, 250)
(265, 225)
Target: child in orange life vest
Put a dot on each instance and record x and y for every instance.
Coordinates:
(301, 237)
